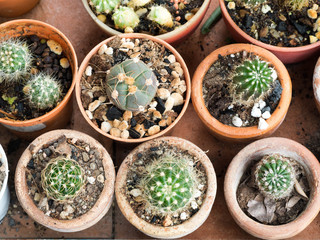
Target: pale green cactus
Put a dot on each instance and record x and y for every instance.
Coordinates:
(125, 17)
(138, 3)
(161, 16)
(106, 6)
(62, 179)
(131, 85)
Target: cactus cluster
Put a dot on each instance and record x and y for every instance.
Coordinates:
(274, 176)
(131, 85)
(125, 17)
(161, 16)
(62, 179)
(106, 6)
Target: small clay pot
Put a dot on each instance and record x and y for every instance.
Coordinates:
(256, 151)
(285, 54)
(316, 84)
(86, 220)
(15, 8)
(4, 190)
(179, 59)
(241, 134)
(186, 227)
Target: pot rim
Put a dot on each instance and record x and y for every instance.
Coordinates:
(4, 161)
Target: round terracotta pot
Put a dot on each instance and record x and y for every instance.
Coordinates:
(316, 84)
(186, 227)
(59, 116)
(179, 59)
(256, 151)
(15, 8)
(285, 54)
(241, 134)
(174, 37)
(86, 220)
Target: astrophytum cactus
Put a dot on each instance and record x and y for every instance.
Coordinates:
(161, 16)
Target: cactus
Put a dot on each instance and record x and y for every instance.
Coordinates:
(161, 16)
(131, 85)
(62, 179)
(15, 60)
(125, 17)
(106, 6)
(43, 91)
(274, 176)
(138, 3)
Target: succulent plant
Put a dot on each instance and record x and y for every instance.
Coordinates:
(43, 91)
(138, 3)
(106, 6)
(161, 16)
(62, 179)
(131, 85)
(125, 17)
(15, 60)
(274, 176)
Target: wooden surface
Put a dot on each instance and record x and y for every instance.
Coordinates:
(301, 124)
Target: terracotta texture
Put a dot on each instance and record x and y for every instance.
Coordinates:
(15, 8)
(173, 231)
(86, 220)
(316, 84)
(285, 54)
(232, 133)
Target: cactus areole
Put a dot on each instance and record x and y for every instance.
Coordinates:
(131, 85)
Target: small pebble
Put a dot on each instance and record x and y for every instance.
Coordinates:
(262, 104)
(102, 98)
(178, 99)
(256, 112)
(236, 121)
(115, 132)
(313, 39)
(141, 11)
(231, 5)
(266, 115)
(91, 180)
(100, 178)
(123, 125)
(54, 47)
(109, 51)
(194, 205)
(265, 8)
(127, 115)
(183, 216)
(157, 114)
(169, 104)
(116, 123)
(188, 16)
(163, 93)
(312, 13)
(167, 221)
(153, 104)
(88, 71)
(129, 45)
(64, 63)
(135, 192)
(106, 126)
(154, 130)
(163, 123)
(172, 58)
(102, 49)
(125, 134)
(262, 124)
(89, 114)
(94, 105)
(93, 166)
(102, 18)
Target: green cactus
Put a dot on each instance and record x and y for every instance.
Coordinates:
(106, 6)
(125, 17)
(274, 176)
(131, 85)
(15, 60)
(161, 16)
(62, 179)
(43, 91)
(138, 3)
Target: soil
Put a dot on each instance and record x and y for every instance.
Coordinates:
(279, 211)
(45, 61)
(219, 98)
(280, 26)
(2, 174)
(89, 159)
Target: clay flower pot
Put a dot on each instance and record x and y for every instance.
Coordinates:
(15, 8)
(4, 190)
(179, 59)
(316, 84)
(174, 37)
(241, 134)
(255, 151)
(61, 114)
(86, 220)
(192, 223)
(285, 54)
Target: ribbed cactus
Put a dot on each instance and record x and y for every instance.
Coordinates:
(131, 85)
(161, 16)
(274, 176)
(138, 3)
(125, 17)
(106, 6)
(62, 179)
(43, 91)
(15, 60)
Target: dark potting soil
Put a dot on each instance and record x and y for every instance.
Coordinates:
(218, 97)
(280, 26)
(44, 60)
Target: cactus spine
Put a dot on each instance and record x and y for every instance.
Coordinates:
(161, 16)
(125, 17)
(106, 6)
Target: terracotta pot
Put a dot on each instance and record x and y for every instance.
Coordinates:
(86, 220)
(174, 37)
(285, 54)
(256, 151)
(241, 134)
(15, 8)
(186, 227)
(59, 116)
(316, 84)
(179, 59)
(4, 190)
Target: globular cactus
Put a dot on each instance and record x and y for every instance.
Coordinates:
(106, 6)
(62, 179)
(131, 85)
(15, 60)
(138, 3)
(43, 91)
(125, 17)
(274, 176)
(161, 16)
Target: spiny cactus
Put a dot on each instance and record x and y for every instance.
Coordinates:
(131, 85)
(125, 17)
(138, 3)
(274, 176)
(161, 16)
(106, 6)
(43, 91)
(15, 60)
(62, 179)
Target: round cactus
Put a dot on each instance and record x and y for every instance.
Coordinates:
(43, 91)
(125, 17)
(131, 85)
(62, 179)
(15, 60)
(138, 3)
(106, 6)
(161, 16)
(274, 176)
